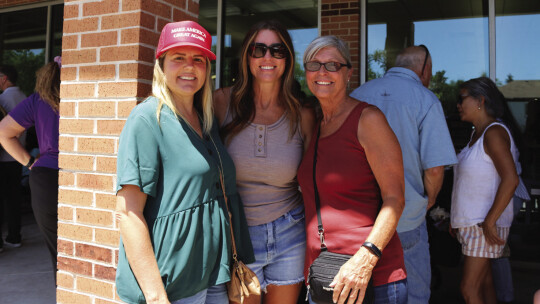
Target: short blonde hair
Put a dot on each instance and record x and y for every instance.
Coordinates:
(202, 99)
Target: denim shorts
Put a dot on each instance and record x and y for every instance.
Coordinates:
(212, 295)
(280, 248)
(391, 293)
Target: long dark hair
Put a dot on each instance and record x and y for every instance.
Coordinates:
(242, 105)
(495, 103)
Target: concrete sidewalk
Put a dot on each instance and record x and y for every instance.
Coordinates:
(26, 274)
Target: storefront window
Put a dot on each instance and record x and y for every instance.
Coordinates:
(456, 34)
(299, 17)
(23, 41)
(518, 73)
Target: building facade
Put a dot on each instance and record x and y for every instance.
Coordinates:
(108, 46)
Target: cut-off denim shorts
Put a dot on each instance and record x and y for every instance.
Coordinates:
(280, 248)
(212, 295)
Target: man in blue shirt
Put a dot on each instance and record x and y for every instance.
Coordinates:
(416, 117)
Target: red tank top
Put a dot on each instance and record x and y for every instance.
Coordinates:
(349, 197)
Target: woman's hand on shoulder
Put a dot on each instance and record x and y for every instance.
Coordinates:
(221, 103)
(353, 277)
(307, 124)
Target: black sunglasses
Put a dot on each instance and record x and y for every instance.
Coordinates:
(426, 58)
(277, 50)
(462, 97)
(314, 66)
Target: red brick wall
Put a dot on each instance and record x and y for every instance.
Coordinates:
(108, 53)
(342, 19)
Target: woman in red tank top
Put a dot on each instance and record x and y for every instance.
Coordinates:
(358, 163)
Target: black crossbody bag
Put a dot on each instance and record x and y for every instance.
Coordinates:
(326, 266)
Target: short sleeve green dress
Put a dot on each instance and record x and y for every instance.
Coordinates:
(185, 209)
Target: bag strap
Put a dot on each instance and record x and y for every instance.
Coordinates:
(317, 198)
(222, 182)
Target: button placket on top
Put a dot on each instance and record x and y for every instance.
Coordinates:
(260, 140)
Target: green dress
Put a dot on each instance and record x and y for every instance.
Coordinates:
(185, 209)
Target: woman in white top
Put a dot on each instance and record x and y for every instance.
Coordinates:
(485, 179)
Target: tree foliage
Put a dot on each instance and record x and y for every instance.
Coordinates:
(377, 64)
(447, 92)
(27, 62)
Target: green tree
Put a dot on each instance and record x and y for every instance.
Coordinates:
(509, 78)
(377, 60)
(447, 92)
(27, 62)
(300, 76)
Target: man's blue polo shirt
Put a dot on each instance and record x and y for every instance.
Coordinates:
(416, 116)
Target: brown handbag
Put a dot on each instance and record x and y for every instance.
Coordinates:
(244, 282)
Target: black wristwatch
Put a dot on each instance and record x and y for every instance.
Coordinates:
(30, 162)
(371, 247)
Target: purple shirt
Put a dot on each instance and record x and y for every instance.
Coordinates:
(34, 111)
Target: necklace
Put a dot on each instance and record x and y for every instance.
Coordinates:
(189, 124)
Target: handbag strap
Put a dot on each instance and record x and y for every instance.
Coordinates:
(317, 199)
(222, 182)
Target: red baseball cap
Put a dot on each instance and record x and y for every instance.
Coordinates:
(185, 33)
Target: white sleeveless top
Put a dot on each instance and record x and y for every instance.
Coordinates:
(266, 162)
(475, 184)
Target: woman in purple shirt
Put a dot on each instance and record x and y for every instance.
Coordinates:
(40, 110)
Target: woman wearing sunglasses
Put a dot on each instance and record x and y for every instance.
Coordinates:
(485, 180)
(265, 131)
(359, 171)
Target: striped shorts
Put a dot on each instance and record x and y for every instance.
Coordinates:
(473, 242)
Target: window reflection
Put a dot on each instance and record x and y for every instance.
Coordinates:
(23, 38)
(22, 44)
(299, 17)
(456, 33)
(518, 73)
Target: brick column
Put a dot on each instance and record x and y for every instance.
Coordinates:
(342, 19)
(107, 54)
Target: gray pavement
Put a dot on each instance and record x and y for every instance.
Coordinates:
(26, 274)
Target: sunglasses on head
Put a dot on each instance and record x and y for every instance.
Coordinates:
(277, 50)
(426, 58)
(314, 66)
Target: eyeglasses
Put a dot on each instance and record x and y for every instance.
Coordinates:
(426, 58)
(314, 66)
(277, 50)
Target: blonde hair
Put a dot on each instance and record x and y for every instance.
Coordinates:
(202, 99)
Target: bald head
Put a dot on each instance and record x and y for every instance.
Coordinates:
(413, 58)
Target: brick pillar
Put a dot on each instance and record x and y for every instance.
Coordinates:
(108, 52)
(342, 19)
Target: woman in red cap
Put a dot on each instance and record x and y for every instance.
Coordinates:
(266, 130)
(175, 242)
